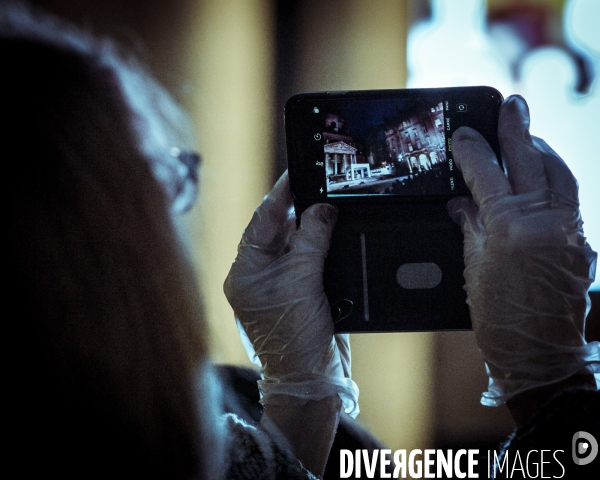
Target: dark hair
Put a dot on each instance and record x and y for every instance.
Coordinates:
(109, 370)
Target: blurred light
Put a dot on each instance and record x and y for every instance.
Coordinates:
(581, 25)
(454, 49)
(565, 119)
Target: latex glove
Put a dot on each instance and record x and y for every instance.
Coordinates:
(276, 290)
(527, 264)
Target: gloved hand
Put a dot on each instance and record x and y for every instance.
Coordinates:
(276, 290)
(527, 264)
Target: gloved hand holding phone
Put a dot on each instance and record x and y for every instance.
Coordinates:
(527, 263)
(276, 290)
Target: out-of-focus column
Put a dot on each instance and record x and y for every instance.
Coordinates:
(362, 45)
(229, 57)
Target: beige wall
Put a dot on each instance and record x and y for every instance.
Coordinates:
(229, 55)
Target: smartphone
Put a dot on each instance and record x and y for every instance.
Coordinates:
(384, 158)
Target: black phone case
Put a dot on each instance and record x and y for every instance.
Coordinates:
(395, 263)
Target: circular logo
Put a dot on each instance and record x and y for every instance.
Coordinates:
(585, 448)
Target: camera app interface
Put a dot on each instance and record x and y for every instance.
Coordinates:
(388, 147)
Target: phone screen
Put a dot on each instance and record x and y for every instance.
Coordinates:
(386, 147)
(395, 143)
